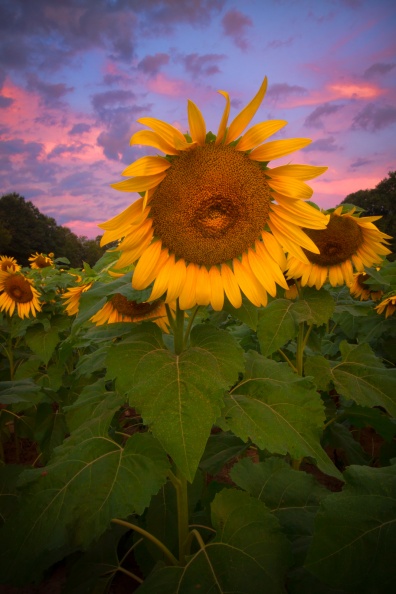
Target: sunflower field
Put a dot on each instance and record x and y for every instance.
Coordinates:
(212, 406)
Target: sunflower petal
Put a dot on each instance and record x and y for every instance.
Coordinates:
(231, 286)
(161, 282)
(145, 266)
(146, 166)
(258, 133)
(303, 172)
(125, 217)
(176, 281)
(196, 123)
(187, 298)
(262, 272)
(168, 132)
(216, 288)
(278, 148)
(294, 233)
(243, 119)
(149, 138)
(248, 282)
(223, 123)
(140, 183)
(203, 286)
(290, 187)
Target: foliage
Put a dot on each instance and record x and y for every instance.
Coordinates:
(133, 430)
(25, 230)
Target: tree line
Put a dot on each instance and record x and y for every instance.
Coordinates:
(25, 230)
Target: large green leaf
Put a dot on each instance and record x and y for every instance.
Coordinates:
(361, 376)
(94, 402)
(249, 553)
(21, 390)
(353, 546)
(320, 305)
(276, 325)
(42, 341)
(279, 411)
(71, 502)
(293, 496)
(179, 396)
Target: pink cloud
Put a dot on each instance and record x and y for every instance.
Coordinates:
(171, 87)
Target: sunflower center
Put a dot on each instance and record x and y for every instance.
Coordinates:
(5, 264)
(212, 205)
(42, 262)
(18, 289)
(337, 243)
(132, 308)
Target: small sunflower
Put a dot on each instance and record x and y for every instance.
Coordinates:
(348, 241)
(388, 305)
(72, 297)
(292, 291)
(38, 261)
(361, 290)
(214, 218)
(18, 292)
(8, 264)
(120, 309)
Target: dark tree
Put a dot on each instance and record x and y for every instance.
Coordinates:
(24, 230)
(380, 201)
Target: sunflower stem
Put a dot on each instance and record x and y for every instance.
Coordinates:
(178, 331)
(150, 536)
(182, 515)
(189, 325)
(300, 349)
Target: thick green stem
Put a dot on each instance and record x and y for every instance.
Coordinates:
(300, 349)
(178, 331)
(182, 514)
(150, 536)
(190, 323)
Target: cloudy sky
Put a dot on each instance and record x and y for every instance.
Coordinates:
(75, 75)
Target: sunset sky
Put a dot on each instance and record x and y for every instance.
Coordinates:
(75, 75)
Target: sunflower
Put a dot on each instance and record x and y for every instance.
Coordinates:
(120, 309)
(348, 241)
(17, 291)
(360, 289)
(8, 264)
(388, 305)
(40, 261)
(72, 297)
(214, 218)
(292, 291)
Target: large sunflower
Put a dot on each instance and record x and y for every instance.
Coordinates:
(214, 218)
(120, 309)
(18, 292)
(348, 241)
(8, 264)
(38, 261)
(72, 297)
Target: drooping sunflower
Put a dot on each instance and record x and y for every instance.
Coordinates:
(388, 305)
(120, 309)
(9, 264)
(214, 219)
(72, 297)
(363, 291)
(38, 261)
(348, 241)
(18, 292)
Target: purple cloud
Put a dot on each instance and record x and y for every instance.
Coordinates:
(151, 65)
(281, 90)
(314, 120)
(360, 162)
(234, 26)
(327, 145)
(5, 101)
(79, 129)
(17, 146)
(165, 14)
(374, 117)
(49, 93)
(61, 149)
(277, 43)
(204, 65)
(378, 69)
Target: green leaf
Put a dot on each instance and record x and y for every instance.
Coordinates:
(353, 546)
(9, 499)
(247, 313)
(292, 496)
(50, 428)
(362, 416)
(71, 502)
(42, 341)
(320, 304)
(338, 437)
(362, 377)
(279, 411)
(22, 390)
(179, 396)
(220, 449)
(276, 326)
(94, 402)
(249, 553)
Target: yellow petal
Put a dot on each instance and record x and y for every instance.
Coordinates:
(161, 282)
(290, 187)
(271, 264)
(294, 233)
(275, 249)
(243, 119)
(303, 172)
(223, 123)
(258, 133)
(148, 138)
(203, 286)
(293, 216)
(146, 166)
(187, 298)
(305, 214)
(134, 237)
(289, 246)
(146, 265)
(140, 183)
(125, 217)
(278, 148)
(231, 286)
(248, 282)
(176, 281)
(216, 289)
(168, 132)
(196, 123)
(262, 271)
(128, 257)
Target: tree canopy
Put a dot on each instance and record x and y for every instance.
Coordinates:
(24, 230)
(380, 201)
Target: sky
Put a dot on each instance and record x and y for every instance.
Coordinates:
(75, 75)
